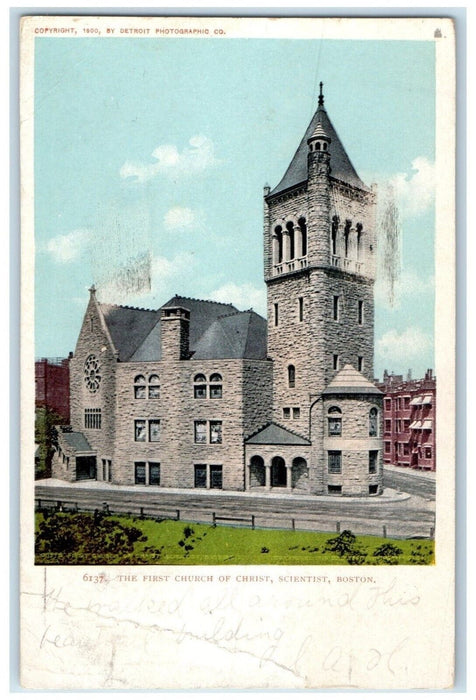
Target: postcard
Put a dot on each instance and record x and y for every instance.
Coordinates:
(238, 328)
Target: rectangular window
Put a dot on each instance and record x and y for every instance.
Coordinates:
(335, 427)
(109, 470)
(200, 479)
(335, 361)
(154, 473)
(201, 432)
(139, 391)
(406, 425)
(334, 462)
(360, 363)
(296, 413)
(427, 452)
(200, 391)
(286, 413)
(388, 425)
(406, 449)
(406, 401)
(335, 309)
(388, 447)
(139, 473)
(139, 431)
(301, 308)
(333, 488)
(361, 313)
(215, 432)
(216, 476)
(92, 418)
(388, 404)
(373, 489)
(154, 430)
(104, 470)
(276, 315)
(215, 391)
(373, 461)
(154, 392)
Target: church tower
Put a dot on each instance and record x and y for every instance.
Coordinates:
(319, 268)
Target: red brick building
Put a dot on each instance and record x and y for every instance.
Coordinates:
(52, 385)
(409, 421)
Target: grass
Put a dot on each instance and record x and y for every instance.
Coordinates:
(178, 543)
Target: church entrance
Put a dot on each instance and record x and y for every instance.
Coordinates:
(85, 468)
(278, 472)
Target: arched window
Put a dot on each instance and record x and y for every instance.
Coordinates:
(200, 386)
(335, 227)
(154, 387)
(291, 376)
(334, 421)
(215, 386)
(348, 224)
(303, 227)
(324, 146)
(139, 387)
(359, 240)
(279, 237)
(318, 146)
(290, 228)
(373, 422)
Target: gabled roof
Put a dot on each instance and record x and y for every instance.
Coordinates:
(275, 434)
(239, 335)
(341, 166)
(216, 331)
(349, 381)
(76, 441)
(128, 327)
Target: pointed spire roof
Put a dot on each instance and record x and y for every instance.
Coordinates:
(350, 381)
(341, 166)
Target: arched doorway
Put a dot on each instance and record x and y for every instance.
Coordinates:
(300, 473)
(278, 472)
(257, 471)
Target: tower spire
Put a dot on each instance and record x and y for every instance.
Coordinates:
(321, 96)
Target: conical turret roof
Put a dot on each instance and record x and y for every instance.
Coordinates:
(349, 381)
(341, 167)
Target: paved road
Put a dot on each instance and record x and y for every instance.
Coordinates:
(411, 517)
(410, 482)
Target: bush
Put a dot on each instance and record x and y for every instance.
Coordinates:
(387, 554)
(343, 545)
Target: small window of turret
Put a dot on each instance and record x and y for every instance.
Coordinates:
(373, 422)
(291, 376)
(334, 422)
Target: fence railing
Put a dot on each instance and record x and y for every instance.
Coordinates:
(267, 521)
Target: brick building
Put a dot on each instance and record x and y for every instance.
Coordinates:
(200, 395)
(409, 421)
(52, 385)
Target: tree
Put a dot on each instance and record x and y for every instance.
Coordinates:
(46, 438)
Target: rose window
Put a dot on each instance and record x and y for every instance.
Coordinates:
(92, 373)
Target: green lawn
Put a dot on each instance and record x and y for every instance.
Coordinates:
(80, 539)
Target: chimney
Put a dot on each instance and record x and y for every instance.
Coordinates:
(174, 333)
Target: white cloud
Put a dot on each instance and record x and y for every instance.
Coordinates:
(243, 296)
(68, 247)
(198, 157)
(411, 345)
(181, 218)
(415, 192)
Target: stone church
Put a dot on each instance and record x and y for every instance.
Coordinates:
(200, 395)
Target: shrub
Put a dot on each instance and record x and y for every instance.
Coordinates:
(343, 545)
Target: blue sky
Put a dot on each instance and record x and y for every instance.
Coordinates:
(154, 153)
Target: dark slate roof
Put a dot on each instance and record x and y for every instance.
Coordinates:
(239, 335)
(217, 331)
(275, 434)
(76, 441)
(128, 327)
(341, 167)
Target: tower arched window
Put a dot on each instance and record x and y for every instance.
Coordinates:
(200, 386)
(303, 227)
(216, 386)
(290, 228)
(291, 376)
(348, 224)
(278, 231)
(139, 386)
(154, 387)
(318, 146)
(373, 422)
(359, 240)
(334, 229)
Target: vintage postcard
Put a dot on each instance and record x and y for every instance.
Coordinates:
(238, 327)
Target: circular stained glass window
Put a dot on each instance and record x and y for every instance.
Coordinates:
(92, 373)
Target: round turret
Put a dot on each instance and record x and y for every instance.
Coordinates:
(319, 140)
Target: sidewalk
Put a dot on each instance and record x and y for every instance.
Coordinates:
(410, 472)
(388, 496)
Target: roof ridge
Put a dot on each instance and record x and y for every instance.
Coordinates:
(125, 306)
(207, 301)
